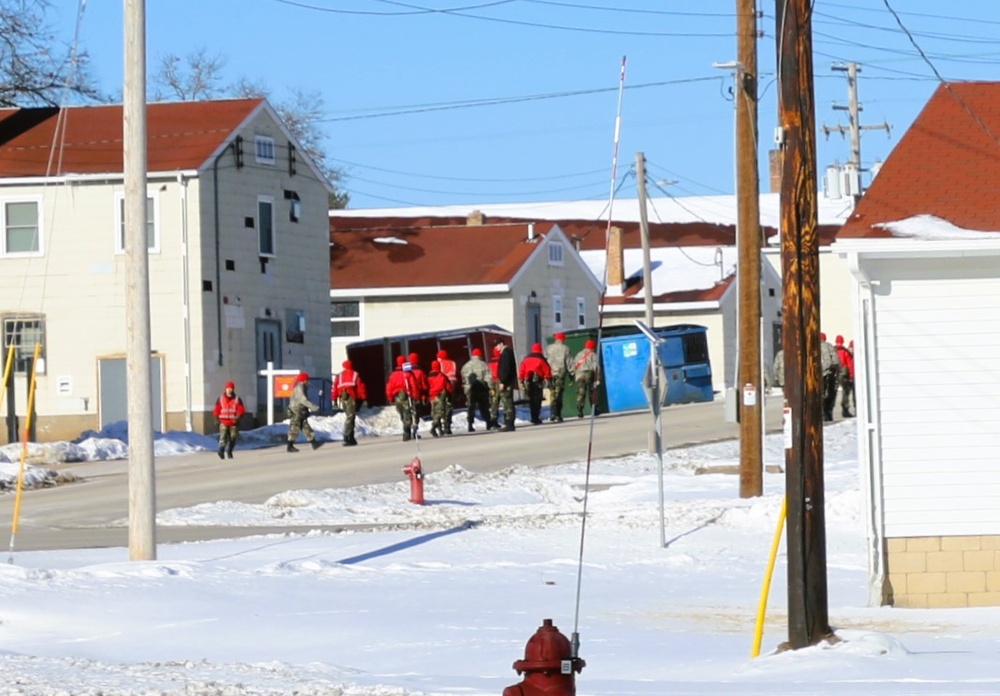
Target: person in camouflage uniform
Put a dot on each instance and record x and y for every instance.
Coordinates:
(478, 382)
(494, 365)
(586, 378)
(439, 391)
(830, 371)
(401, 390)
(778, 369)
(350, 392)
(299, 408)
(507, 383)
(557, 354)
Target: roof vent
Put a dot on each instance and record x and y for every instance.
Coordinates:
(476, 217)
(531, 231)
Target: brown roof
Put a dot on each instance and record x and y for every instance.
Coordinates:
(181, 135)
(947, 165)
(432, 255)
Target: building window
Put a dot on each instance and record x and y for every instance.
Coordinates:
(555, 254)
(22, 228)
(557, 311)
(581, 312)
(152, 225)
(294, 206)
(295, 326)
(265, 226)
(345, 319)
(264, 148)
(23, 332)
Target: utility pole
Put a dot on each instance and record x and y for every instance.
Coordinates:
(808, 618)
(141, 489)
(647, 280)
(854, 126)
(748, 243)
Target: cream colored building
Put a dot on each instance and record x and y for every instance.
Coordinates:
(238, 259)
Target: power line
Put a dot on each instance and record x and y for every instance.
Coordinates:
(465, 178)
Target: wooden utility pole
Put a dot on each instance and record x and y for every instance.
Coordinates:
(141, 489)
(808, 620)
(748, 242)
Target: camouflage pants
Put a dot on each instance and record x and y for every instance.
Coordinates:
(507, 404)
(495, 404)
(556, 390)
(535, 391)
(350, 408)
(584, 390)
(847, 405)
(405, 410)
(227, 437)
(439, 411)
(299, 420)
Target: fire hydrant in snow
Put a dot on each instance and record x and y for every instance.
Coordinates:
(416, 474)
(548, 666)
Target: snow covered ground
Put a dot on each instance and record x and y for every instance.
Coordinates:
(440, 599)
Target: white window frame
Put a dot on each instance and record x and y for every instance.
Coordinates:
(39, 249)
(557, 311)
(555, 254)
(260, 230)
(23, 351)
(263, 148)
(346, 320)
(581, 312)
(152, 210)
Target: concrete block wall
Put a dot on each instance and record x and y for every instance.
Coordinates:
(943, 571)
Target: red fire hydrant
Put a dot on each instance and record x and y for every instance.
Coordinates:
(416, 474)
(548, 666)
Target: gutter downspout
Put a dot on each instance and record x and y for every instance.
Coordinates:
(185, 284)
(218, 251)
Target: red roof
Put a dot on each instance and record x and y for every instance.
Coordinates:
(947, 165)
(398, 255)
(181, 135)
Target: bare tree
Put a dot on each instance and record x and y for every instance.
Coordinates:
(32, 71)
(199, 76)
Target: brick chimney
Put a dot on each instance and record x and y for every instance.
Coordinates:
(616, 261)
(774, 166)
(474, 218)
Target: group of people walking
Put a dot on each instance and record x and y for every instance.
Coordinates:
(836, 373)
(488, 387)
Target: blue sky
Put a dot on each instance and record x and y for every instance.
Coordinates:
(554, 67)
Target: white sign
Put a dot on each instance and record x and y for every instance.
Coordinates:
(64, 385)
(786, 427)
(749, 395)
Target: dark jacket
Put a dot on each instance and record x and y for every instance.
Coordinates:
(507, 368)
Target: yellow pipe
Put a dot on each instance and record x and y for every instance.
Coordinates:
(24, 450)
(762, 606)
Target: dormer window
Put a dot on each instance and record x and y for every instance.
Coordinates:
(555, 254)
(264, 147)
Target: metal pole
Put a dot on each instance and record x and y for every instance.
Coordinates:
(142, 497)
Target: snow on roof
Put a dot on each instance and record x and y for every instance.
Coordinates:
(932, 227)
(673, 269)
(717, 210)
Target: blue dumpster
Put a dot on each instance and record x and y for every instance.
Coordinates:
(683, 354)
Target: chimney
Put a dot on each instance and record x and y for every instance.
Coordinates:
(531, 231)
(616, 261)
(774, 165)
(474, 218)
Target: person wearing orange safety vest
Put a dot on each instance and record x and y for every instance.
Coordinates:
(440, 391)
(403, 392)
(349, 391)
(450, 370)
(228, 409)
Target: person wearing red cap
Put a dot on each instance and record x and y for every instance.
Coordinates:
(532, 376)
(558, 355)
(422, 401)
(494, 366)
(350, 392)
(830, 373)
(401, 391)
(586, 377)
(439, 390)
(299, 408)
(477, 382)
(450, 370)
(846, 357)
(228, 409)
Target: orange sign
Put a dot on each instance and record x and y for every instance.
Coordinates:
(284, 385)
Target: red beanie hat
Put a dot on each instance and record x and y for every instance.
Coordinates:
(560, 336)
(414, 358)
(435, 365)
(536, 348)
(302, 377)
(590, 344)
(840, 340)
(230, 385)
(476, 352)
(400, 360)
(442, 354)
(822, 336)
(348, 365)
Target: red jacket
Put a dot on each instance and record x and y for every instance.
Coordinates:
(846, 360)
(449, 369)
(438, 382)
(400, 381)
(228, 409)
(349, 382)
(534, 364)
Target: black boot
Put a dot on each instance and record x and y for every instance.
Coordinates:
(291, 448)
(406, 435)
(416, 433)
(447, 430)
(229, 452)
(434, 431)
(471, 429)
(316, 444)
(222, 453)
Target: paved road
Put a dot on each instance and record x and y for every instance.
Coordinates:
(93, 512)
